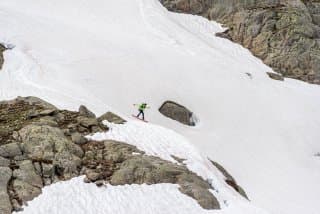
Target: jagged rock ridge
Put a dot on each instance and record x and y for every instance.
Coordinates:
(283, 33)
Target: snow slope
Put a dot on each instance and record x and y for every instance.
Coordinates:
(133, 199)
(77, 197)
(111, 54)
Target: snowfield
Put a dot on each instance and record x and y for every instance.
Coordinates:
(110, 54)
(133, 199)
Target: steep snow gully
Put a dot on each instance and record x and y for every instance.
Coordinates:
(110, 54)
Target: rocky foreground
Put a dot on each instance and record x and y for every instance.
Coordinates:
(285, 34)
(41, 145)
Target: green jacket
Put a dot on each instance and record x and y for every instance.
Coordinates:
(142, 106)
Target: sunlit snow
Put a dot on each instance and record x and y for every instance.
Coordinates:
(110, 54)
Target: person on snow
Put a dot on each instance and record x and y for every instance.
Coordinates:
(141, 109)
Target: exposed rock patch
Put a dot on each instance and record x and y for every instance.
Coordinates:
(275, 76)
(230, 180)
(284, 34)
(112, 118)
(83, 111)
(120, 163)
(2, 49)
(10, 150)
(18, 113)
(178, 112)
(13, 116)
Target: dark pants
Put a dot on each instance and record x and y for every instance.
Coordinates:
(141, 113)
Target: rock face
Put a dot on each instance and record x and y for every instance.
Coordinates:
(2, 49)
(46, 144)
(5, 204)
(10, 150)
(26, 182)
(39, 146)
(285, 34)
(178, 112)
(120, 163)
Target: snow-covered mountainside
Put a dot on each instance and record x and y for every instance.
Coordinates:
(108, 55)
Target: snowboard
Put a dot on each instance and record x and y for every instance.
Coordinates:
(139, 118)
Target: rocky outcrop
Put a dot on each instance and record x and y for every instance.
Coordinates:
(285, 34)
(46, 144)
(112, 118)
(119, 164)
(41, 144)
(178, 112)
(23, 111)
(2, 49)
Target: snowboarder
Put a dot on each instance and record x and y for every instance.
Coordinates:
(141, 109)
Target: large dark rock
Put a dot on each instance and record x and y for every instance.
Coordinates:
(178, 112)
(284, 34)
